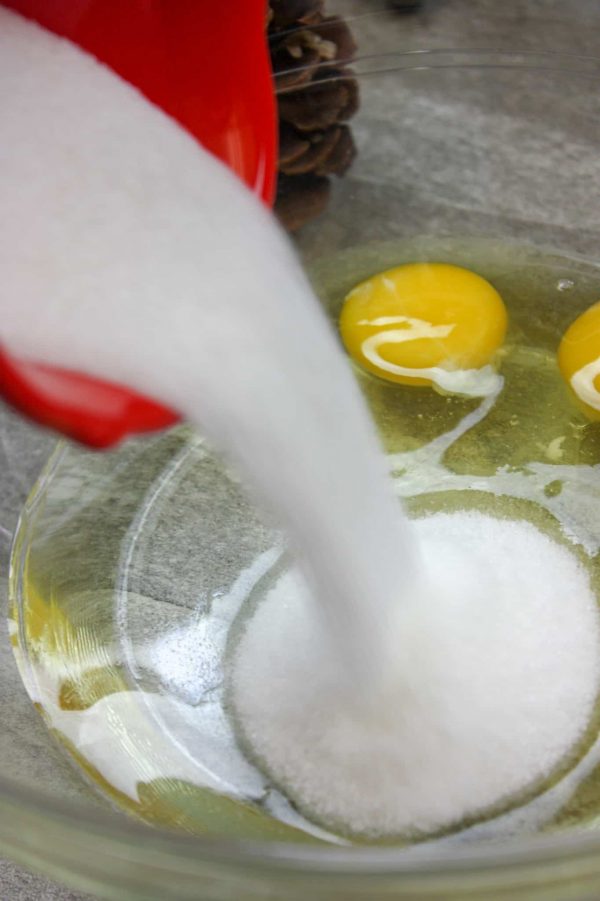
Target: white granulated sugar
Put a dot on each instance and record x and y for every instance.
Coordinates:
(496, 678)
(128, 252)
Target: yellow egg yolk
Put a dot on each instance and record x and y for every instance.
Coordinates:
(427, 324)
(579, 360)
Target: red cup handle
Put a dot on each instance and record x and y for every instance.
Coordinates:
(94, 412)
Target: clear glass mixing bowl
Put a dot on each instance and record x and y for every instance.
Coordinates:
(477, 144)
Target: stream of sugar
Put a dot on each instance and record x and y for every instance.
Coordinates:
(129, 253)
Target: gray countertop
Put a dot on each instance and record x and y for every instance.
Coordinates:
(18, 885)
(515, 24)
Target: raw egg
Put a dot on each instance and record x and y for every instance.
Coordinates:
(427, 324)
(579, 360)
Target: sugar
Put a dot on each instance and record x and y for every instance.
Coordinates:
(129, 253)
(496, 677)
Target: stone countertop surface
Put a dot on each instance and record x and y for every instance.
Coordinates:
(542, 25)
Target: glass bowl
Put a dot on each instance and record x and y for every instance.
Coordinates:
(479, 145)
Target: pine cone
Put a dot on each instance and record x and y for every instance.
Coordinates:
(327, 152)
(316, 95)
(301, 198)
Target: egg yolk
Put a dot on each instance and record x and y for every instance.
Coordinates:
(427, 324)
(579, 360)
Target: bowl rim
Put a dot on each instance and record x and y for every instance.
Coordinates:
(515, 853)
(574, 64)
(419, 860)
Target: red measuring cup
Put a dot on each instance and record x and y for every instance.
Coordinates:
(207, 65)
